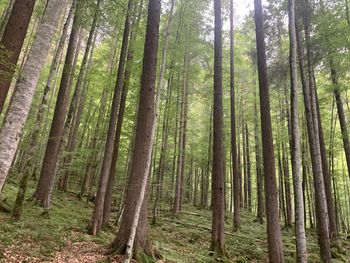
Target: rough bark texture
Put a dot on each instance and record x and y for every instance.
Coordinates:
(18, 111)
(47, 174)
(143, 146)
(273, 227)
(11, 43)
(218, 204)
(295, 140)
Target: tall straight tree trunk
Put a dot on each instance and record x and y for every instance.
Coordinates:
(248, 169)
(18, 111)
(160, 81)
(287, 185)
(77, 97)
(11, 43)
(125, 89)
(218, 204)
(295, 140)
(91, 164)
(273, 227)
(333, 232)
(47, 175)
(341, 116)
(133, 233)
(182, 141)
(313, 134)
(259, 173)
(97, 216)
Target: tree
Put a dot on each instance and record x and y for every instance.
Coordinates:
(97, 216)
(28, 163)
(11, 43)
(295, 139)
(273, 227)
(18, 111)
(235, 176)
(137, 232)
(218, 204)
(47, 175)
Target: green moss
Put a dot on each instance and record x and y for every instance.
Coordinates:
(38, 237)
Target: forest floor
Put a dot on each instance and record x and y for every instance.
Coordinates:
(62, 236)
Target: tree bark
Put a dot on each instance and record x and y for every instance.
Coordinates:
(133, 237)
(218, 204)
(47, 175)
(273, 227)
(313, 134)
(11, 43)
(295, 140)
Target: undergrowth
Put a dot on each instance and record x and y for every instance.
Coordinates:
(184, 238)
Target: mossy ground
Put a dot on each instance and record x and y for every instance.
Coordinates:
(183, 238)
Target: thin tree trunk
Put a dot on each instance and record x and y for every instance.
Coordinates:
(127, 76)
(76, 97)
(248, 169)
(97, 216)
(341, 116)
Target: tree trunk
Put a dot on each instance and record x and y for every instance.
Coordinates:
(5, 16)
(333, 233)
(133, 237)
(218, 206)
(97, 216)
(235, 178)
(249, 183)
(259, 173)
(77, 96)
(47, 175)
(127, 76)
(11, 43)
(28, 163)
(341, 116)
(273, 227)
(295, 141)
(18, 111)
(182, 140)
(313, 134)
